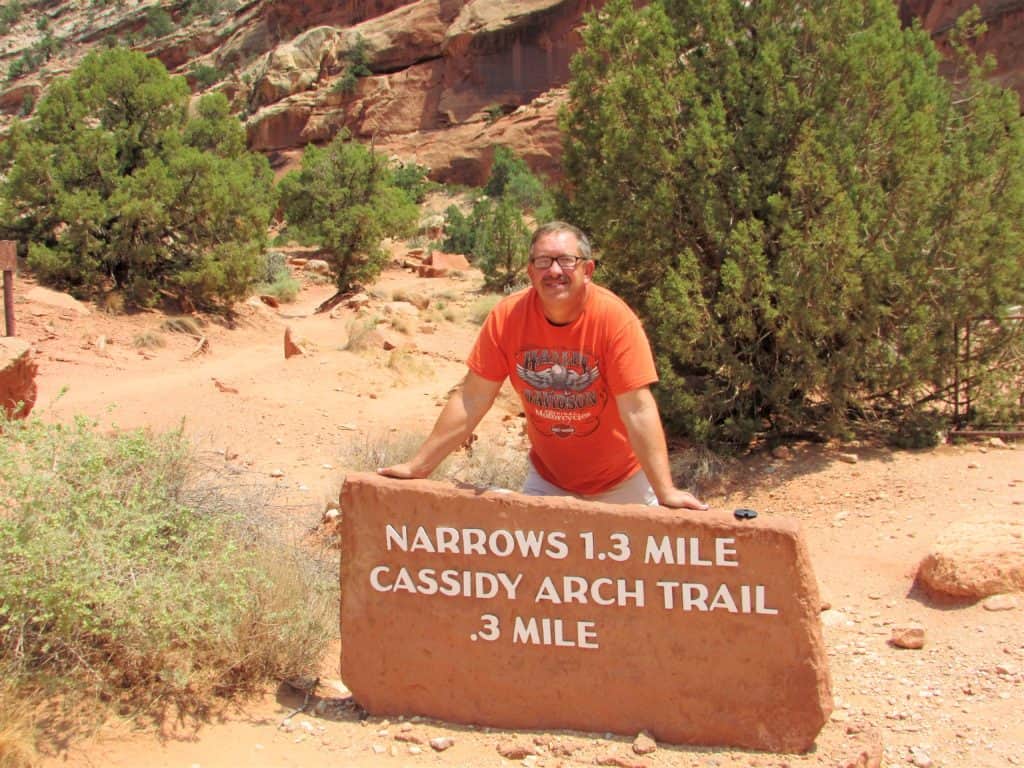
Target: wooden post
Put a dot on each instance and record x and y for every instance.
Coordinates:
(8, 264)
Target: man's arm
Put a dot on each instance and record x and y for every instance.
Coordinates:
(460, 415)
(639, 413)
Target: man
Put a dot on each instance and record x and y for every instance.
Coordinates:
(582, 366)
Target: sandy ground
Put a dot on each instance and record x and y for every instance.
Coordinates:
(956, 702)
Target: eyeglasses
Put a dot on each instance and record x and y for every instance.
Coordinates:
(565, 261)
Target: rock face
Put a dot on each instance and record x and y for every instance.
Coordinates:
(521, 612)
(443, 94)
(17, 377)
(975, 559)
(449, 79)
(1004, 38)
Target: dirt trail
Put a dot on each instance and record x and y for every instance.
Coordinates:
(955, 703)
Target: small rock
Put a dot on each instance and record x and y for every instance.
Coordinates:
(848, 458)
(414, 750)
(865, 750)
(997, 442)
(620, 761)
(331, 515)
(516, 750)
(409, 737)
(441, 743)
(277, 473)
(291, 347)
(910, 636)
(1003, 602)
(920, 758)
(781, 452)
(833, 618)
(319, 266)
(643, 744)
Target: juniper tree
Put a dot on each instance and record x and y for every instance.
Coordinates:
(344, 199)
(804, 212)
(111, 185)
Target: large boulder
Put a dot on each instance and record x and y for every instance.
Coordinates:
(976, 558)
(17, 377)
(296, 66)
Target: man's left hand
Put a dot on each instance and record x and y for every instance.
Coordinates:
(678, 499)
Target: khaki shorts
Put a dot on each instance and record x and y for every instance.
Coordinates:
(635, 490)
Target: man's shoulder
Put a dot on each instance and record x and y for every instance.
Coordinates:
(607, 301)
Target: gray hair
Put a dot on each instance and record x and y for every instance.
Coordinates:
(554, 227)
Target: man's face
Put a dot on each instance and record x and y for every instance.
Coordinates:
(559, 288)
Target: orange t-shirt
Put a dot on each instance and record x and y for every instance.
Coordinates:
(567, 378)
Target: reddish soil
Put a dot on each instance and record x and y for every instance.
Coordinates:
(956, 702)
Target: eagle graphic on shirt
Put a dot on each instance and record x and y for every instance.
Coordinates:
(561, 390)
(558, 378)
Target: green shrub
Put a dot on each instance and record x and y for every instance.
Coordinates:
(134, 191)
(493, 113)
(129, 575)
(344, 198)
(800, 207)
(205, 75)
(158, 22)
(460, 235)
(277, 279)
(284, 288)
(494, 235)
(920, 428)
(357, 60)
(501, 245)
(511, 179)
(10, 13)
(412, 179)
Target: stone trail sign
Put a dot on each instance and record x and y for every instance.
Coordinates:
(540, 613)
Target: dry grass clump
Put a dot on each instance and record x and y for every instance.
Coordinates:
(17, 735)
(149, 340)
(491, 466)
(183, 324)
(485, 466)
(368, 453)
(408, 366)
(131, 578)
(402, 324)
(361, 334)
(697, 468)
(482, 307)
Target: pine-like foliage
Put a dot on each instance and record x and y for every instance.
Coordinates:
(806, 215)
(112, 185)
(344, 198)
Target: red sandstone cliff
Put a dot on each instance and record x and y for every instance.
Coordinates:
(450, 78)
